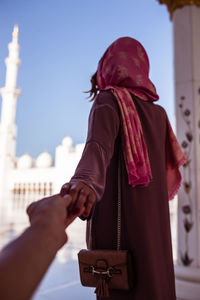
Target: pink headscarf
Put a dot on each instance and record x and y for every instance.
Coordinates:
(124, 69)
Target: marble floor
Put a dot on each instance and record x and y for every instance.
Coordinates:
(62, 282)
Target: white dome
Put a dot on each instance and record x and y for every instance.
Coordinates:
(67, 142)
(44, 160)
(25, 162)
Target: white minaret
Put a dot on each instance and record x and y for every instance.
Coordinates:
(8, 128)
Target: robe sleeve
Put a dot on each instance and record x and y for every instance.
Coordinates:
(103, 128)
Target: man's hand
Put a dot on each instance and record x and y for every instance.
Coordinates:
(52, 214)
(24, 261)
(83, 197)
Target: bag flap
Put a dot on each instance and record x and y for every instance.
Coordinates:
(94, 257)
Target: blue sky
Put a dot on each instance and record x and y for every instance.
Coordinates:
(61, 43)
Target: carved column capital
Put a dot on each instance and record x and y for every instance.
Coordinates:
(172, 5)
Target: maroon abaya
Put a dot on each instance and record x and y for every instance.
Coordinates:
(145, 210)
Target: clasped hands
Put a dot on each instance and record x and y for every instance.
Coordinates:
(83, 197)
(55, 213)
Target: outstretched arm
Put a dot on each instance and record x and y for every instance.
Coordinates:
(24, 261)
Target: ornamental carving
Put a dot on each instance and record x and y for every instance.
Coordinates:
(187, 206)
(172, 5)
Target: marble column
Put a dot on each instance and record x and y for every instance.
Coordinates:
(186, 28)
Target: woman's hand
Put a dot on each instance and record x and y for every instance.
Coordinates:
(83, 197)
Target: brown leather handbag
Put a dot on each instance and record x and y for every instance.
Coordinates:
(107, 269)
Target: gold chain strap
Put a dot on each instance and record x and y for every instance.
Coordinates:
(118, 213)
(119, 207)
